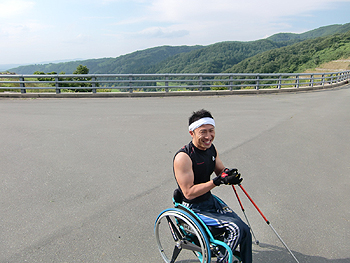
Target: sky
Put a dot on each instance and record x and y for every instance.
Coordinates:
(40, 31)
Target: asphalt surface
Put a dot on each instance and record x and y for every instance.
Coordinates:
(83, 180)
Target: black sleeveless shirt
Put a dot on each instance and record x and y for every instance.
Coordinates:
(203, 165)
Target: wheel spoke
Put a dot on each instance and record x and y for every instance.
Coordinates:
(176, 253)
(191, 246)
(174, 231)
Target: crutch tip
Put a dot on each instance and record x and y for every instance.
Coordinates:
(257, 242)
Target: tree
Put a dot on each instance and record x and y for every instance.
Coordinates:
(79, 71)
(46, 79)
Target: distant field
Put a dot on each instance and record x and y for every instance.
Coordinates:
(332, 66)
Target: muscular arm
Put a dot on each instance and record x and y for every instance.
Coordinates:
(185, 178)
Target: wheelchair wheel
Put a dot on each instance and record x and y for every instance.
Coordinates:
(180, 237)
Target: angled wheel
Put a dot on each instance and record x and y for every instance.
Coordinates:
(180, 237)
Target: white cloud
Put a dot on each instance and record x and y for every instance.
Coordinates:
(161, 32)
(189, 10)
(12, 8)
(21, 30)
(80, 39)
(208, 21)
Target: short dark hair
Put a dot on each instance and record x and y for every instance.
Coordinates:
(196, 115)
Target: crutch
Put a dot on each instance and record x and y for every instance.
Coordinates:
(267, 221)
(240, 203)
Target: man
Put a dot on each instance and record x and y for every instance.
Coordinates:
(193, 166)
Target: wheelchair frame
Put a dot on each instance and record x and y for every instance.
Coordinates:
(189, 232)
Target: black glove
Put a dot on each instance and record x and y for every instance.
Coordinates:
(228, 177)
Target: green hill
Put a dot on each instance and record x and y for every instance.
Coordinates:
(213, 58)
(319, 32)
(136, 62)
(298, 57)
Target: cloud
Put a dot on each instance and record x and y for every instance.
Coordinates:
(207, 21)
(12, 8)
(227, 10)
(80, 39)
(162, 32)
(21, 30)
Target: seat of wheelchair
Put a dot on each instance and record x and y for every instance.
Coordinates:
(218, 233)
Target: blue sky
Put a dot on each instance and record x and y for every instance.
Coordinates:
(34, 31)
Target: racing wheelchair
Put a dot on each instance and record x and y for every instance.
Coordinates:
(189, 235)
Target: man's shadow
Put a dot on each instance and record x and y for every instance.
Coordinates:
(274, 254)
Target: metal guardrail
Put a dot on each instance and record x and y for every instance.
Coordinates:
(168, 82)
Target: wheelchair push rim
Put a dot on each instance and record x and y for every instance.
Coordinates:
(177, 232)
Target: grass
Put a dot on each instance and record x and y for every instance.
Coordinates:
(332, 66)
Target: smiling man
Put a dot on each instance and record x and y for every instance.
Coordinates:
(193, 166)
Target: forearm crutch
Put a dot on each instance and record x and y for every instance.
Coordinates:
(267, 221)
(240, 203)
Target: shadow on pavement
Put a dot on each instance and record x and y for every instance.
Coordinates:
(274, 254)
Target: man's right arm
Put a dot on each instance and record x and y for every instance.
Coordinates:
(185, 177)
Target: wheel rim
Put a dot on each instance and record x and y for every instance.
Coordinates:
(180, 238)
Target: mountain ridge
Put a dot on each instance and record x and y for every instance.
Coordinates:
(214, 58)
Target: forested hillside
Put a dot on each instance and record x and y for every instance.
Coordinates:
(319, 32)
(284, 52)
(214, 58)
(136, 62)
(298, 57)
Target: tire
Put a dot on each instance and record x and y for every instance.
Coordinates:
(180, 237)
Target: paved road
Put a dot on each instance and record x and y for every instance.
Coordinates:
(82, 180)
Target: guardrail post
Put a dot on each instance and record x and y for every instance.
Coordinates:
(231, 83)
(166, 84)
(57, 86)
(279, 81)
(312, 80)
(200, 83)
(130, 84)
(257, 82)
(297, 80)
(22, 85)
(323, 80)
(93, 84)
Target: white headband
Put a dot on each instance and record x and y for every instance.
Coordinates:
(201, 122)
